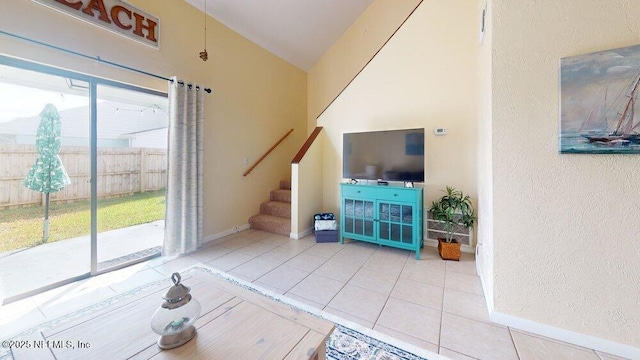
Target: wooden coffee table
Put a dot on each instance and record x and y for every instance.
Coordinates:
(235, 323)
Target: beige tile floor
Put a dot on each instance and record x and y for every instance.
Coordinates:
(434, 304)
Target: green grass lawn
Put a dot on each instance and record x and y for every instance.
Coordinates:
(20, 228)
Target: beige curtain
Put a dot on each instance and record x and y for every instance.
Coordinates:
(183, 222)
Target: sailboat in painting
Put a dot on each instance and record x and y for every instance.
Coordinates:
(626, 126)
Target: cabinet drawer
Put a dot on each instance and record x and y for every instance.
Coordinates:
(356, 191)
(397, 194)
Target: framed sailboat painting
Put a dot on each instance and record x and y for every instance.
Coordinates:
(599, 113)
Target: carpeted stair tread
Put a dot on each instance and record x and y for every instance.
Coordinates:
(275, 214)
(280, 195)
(276, 208)
(285, 184)
(269, 223)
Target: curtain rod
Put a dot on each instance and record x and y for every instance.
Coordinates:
(96, 58)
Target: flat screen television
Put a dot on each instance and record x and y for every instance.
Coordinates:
(393, 155)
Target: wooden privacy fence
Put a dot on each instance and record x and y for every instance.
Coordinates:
(121, 171)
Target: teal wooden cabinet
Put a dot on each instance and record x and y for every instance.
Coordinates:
(385, 215)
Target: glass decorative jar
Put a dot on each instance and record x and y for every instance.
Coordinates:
(174, 319)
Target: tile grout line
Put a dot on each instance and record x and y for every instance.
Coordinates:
(444, 283)
(343, 286)
(285, 290)
(314, 272)
(513, 342)
(386, 302)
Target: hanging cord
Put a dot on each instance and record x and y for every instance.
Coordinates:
(203, 54)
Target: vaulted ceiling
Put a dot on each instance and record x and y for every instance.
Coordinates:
(298, 31)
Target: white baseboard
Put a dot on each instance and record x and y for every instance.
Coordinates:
(235, 229)
(568, 336)
(587, 341)
(488, 300)
(300, 235)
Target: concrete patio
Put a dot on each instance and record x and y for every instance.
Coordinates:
(28, 269)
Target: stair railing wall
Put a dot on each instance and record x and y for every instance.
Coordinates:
(266, 153)
(306, 185)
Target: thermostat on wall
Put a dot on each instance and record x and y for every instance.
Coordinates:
(440, 131)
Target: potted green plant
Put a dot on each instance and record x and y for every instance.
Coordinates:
(452, 209)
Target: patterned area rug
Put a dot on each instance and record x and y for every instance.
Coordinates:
(348, 341)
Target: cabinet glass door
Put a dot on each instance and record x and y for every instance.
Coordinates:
(358, 217)
(395, 222)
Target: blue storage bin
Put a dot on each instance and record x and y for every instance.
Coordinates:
(327, 236)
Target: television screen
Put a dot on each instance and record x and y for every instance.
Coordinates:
(394, 155)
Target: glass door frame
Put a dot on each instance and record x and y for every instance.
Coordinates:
(93, 81)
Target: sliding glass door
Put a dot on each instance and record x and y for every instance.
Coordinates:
(44, 181)
(131, 175)
(82, 176)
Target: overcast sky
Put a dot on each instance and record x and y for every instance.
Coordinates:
(20, 101)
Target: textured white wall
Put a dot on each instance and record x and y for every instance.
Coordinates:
(567, 227)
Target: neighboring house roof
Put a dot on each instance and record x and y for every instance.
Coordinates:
(154, 138)
(136, 133)
(112, 123)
